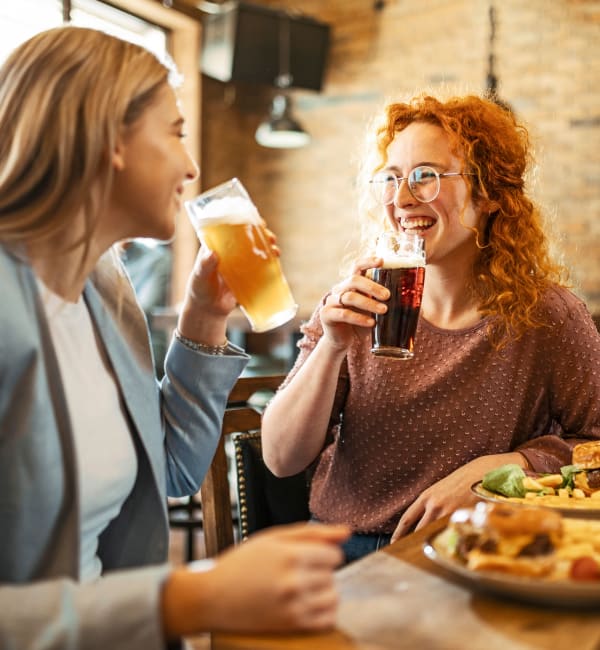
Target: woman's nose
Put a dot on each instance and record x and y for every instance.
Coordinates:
(192, 170)
(403, 196)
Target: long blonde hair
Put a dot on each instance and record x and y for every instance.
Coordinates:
(65, 95)
(514, 268)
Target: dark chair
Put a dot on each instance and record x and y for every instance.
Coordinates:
(263, 499)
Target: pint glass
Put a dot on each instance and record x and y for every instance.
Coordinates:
(228, 223)
(403, 273)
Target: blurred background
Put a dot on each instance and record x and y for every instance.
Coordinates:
(331, 64)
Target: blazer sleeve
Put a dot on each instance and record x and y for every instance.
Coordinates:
(194, 393)
(120, 610)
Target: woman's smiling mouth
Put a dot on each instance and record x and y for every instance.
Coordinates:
(419, 224)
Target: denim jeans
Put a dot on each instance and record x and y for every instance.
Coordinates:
(359, 545)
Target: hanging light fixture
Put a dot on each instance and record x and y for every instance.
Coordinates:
(280, 130)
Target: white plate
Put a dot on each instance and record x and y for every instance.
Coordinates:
(565, 594)
(578, 508)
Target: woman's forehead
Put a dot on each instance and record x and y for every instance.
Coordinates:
(420, 142)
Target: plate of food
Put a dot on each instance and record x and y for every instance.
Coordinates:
(574, 491)
(524, 553)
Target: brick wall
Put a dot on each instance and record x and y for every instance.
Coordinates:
(548, 64)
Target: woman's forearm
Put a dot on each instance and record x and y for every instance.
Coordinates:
(295, 423)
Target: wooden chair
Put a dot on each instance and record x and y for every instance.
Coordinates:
(213, 503)
(243, 419)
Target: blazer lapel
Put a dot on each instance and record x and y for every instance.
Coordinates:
(124, 334)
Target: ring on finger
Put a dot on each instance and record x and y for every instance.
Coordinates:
(340, 297)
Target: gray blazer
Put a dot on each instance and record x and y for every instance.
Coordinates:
(175, 427)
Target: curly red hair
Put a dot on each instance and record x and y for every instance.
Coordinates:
(514, 268)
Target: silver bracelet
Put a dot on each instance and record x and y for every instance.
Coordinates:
(218, 350)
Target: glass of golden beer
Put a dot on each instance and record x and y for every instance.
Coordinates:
(228, 223)
(403, 273)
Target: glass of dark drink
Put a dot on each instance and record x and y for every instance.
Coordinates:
(403, 273)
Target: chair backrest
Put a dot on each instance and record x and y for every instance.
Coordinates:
(242, 418)
(264, 499)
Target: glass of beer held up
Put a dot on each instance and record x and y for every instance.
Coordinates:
(403, 273)
(228, 223)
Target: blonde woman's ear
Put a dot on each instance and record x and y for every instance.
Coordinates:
(118, 159)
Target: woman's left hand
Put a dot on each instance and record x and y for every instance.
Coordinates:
(451, 492)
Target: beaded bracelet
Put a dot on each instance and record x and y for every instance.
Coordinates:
(202, 347)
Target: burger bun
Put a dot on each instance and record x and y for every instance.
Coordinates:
(587, 455)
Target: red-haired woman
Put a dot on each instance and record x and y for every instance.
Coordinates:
(506, 357)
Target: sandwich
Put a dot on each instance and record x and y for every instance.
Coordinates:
(499, 537)
(586, 461)
(523, 541)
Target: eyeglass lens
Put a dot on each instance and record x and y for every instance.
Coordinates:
(423, 184)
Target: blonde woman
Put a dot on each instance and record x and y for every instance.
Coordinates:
(506, 357)
(92, 153)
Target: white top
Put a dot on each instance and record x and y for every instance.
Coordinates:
(105, 454)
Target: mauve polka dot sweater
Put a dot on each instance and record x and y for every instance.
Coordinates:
(398, 426)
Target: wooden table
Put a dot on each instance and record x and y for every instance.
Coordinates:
(398, 599)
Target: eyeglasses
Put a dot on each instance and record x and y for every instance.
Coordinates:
(423, 184)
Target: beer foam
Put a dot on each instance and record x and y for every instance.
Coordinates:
(232, 210)
(400, 259)
(391, 261)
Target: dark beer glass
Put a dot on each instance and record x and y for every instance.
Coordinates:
(403, 273)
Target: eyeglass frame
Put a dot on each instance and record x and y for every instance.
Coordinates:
(399, 180)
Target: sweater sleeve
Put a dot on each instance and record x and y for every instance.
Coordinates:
(572, 361)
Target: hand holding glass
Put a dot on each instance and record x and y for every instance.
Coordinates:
(403, 273)
(228, 223)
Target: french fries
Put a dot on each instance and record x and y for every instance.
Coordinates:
(547, 490)
(550, 480)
